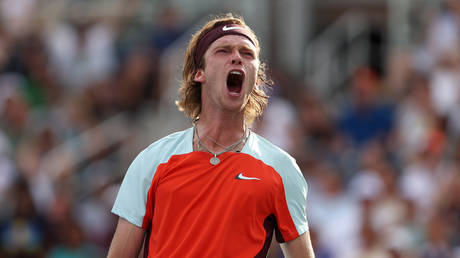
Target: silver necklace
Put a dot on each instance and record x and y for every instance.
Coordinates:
(215, 160)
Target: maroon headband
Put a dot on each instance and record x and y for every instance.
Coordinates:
(217, 32)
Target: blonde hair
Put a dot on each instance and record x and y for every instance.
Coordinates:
(190, 91)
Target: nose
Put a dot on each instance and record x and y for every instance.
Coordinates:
(236, 58)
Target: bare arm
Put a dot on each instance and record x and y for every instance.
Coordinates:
(127, 240)
(299, 248)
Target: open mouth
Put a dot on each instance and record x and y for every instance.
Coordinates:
(235, 81)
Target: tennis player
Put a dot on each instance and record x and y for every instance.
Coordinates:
(216, 189)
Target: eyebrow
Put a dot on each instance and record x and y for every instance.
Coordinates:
(239, 47)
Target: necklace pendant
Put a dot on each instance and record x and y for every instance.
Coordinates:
(214, 160)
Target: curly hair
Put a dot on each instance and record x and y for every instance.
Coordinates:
(190, 91)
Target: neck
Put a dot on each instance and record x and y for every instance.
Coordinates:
(216, 132)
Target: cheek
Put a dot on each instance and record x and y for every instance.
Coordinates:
(254, 74)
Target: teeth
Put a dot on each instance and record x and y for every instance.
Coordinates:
(236, 72)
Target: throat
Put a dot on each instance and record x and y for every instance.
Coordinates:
(217, 142)
(234, 82)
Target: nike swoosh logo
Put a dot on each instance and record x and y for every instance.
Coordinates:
(225, 28)
(241, 177)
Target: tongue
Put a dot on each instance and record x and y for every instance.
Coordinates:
(234, 88)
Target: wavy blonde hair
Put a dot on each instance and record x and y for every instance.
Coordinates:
(190, 91)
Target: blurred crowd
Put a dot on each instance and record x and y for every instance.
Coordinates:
(61, 76)
(382, 161)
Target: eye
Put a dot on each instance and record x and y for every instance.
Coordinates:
(221, 50)
(248, 53)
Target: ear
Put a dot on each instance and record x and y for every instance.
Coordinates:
(199, 76)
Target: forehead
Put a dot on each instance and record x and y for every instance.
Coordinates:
(233, 40)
